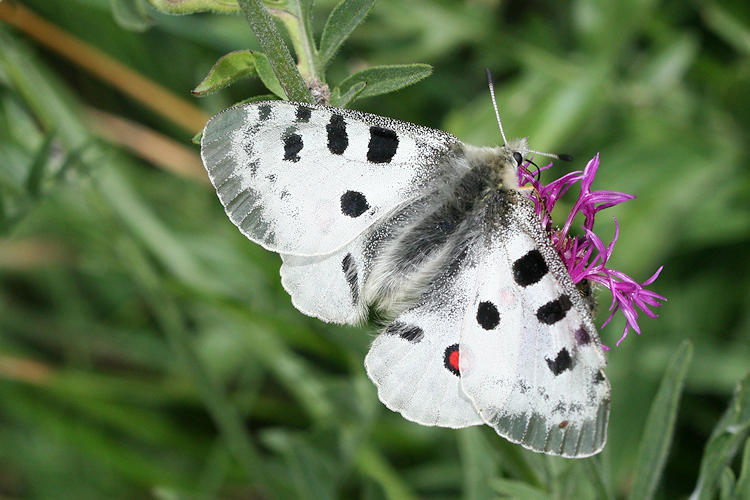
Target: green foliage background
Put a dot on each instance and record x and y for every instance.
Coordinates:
(147, 350)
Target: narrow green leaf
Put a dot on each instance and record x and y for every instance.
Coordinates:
(343, 101)
(310, 466)
(518, 489)
(726, 484)
(344, 18)
(276, 50)
(227, 70)
(384, 79)
(256, 98)
(370, 463)
(36, 170)
(478, 462)
(74, 158)
(657, 436)
(742, 488)
(131, 14)
(726, 438)
(193, 6)
(598, 481)
(197, 138)
(267, 76)
(727, 26)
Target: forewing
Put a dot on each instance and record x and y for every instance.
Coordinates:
(307, 180)
(414, 361)
(531, 360)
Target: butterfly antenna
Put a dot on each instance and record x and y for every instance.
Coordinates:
(494, 103)
(561, 156)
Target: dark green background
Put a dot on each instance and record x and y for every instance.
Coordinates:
(131, 260)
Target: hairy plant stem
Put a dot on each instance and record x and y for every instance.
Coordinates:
(296, 23)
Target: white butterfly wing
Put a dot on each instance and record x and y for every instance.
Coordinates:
(531, 360)
(306, 180)
(331, 287)
(414, 361)
(327, 287)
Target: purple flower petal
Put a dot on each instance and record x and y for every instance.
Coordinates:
(586, 256)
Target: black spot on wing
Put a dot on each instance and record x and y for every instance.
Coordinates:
(554, 310)
(599, 377)
(264, 112)
(350, 273)
(562, 362)
(303, 114)
(292, 146)
(338, 140)
(530, 268)
(487, 315)
(582, 336)
(412, 333)
(353, 204)
(450, 359)
(383, 145)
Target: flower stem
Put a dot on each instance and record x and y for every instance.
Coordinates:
(297, 23)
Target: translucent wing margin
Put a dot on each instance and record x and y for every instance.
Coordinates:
(306, 180)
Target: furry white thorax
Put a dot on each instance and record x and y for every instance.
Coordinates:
(395, 283)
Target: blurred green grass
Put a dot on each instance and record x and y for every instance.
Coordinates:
(109, 269)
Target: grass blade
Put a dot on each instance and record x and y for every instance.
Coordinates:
(657, 436)
(726, 438)
(478, 462)
(509, 488)
(36, 171)
(742, 488)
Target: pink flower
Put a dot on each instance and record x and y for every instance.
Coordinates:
(586, 256)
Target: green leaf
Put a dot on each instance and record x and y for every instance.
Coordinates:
(267, 76)
(384, 79)
(742, 488)
(193, 6)
(256, 98)
(36, 170)
(227, 70)
(726, 438)
(518, 489)
(343, 101)
(131, 14)
(657, 436)
(311, 466)
(344, 18)
(277, 52)
(594, 471)
(479, 463)
(726, 484)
